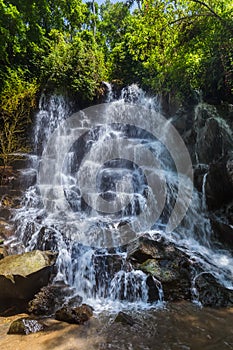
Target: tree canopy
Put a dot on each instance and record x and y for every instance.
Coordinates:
(165, 46)
(161, 44)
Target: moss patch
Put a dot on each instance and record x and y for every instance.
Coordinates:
(25, 264)
(153, 267)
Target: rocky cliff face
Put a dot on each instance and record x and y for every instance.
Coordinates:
(208, 133)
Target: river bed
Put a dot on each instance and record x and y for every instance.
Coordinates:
(177, 326)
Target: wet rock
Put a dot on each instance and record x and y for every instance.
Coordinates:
(7, 175)
(203, 112)
(110, 264)
(124, 318)
(10, 198)
(211, 293)
(228, 211)
(3, 252)
(49, 299)
(26, 178)
(223, 233)
(166, 265)
(170, 104)
(153, 289)
(106, 262)
(21, 163)
(143, 249)
(47, 239)
(174, 279)
(74, 301)
(5, 213)
(183, 120)
(21, 276)
(219, 184)
(10, 307)
(77, 315)
(25, 326)
(163, 272)
(214, 137)
(213, 141)
(6, 229)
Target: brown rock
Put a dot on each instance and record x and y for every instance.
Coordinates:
(6, 229)
(25, 326)
(77, 315)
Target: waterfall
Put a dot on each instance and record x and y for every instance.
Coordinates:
(97, 176)
(204, 207)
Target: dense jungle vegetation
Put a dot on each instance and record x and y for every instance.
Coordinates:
(175, 46)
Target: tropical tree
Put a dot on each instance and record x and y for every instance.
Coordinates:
(175, 46)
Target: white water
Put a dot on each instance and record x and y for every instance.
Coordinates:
(73, 228)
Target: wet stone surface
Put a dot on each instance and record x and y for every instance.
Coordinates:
(50, 298)
(178, 326)
(25, 326)
(165, 263)
(77, 315)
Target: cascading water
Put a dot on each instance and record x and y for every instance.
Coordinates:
(86, 238)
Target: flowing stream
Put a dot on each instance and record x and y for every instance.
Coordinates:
(102, 164)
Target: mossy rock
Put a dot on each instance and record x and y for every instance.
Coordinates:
(21, 276)
(25, 326)
(163, 274)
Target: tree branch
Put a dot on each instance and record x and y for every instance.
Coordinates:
(191, 16)
(208, 7)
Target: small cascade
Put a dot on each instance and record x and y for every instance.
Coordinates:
(85, 197)
(204, 206)
(53, 110)
(109, 94)
(129, 285)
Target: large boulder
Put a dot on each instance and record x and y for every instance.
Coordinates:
(22, 276)
(211, 293)
(165, 264)
(171, 270)
(52, 297)
(214, 136)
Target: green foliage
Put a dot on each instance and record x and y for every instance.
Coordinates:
(11, 24)
(77, 65)
(17, 99)
(43, 44)
(176, 46)
(164, 45)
